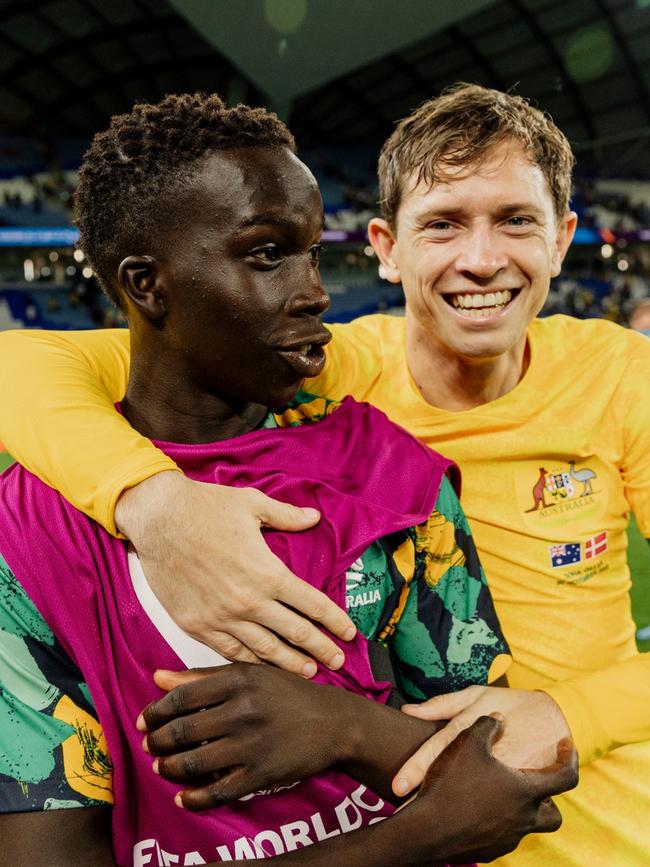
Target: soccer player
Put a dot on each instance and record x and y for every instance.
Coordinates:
(548, 420)
(204, 227)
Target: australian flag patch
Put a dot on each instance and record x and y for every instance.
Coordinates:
(565, 554)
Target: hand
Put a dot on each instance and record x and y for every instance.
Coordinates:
(228, 730)
(477, 808)
(204, 555)
(534, 724)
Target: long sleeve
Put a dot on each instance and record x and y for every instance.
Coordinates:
(607, 708)
(58, 391)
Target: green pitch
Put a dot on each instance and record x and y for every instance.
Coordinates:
(639, 558)
(5, 460)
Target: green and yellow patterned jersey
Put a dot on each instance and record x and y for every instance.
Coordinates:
(421, 592)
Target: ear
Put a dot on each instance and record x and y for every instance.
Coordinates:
(565, 233)
(139, 280)
(384, 244)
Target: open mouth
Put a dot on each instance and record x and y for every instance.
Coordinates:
(307, 360)
(481, 305)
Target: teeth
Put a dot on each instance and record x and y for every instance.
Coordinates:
(304, 350)
(476, 302)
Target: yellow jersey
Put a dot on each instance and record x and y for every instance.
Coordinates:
(551, 471)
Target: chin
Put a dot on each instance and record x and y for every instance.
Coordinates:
(280, 399)
(488, 348)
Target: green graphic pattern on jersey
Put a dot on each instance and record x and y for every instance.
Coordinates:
(421, 592)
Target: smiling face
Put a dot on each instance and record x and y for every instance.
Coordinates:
(476, 254)
(239, 275)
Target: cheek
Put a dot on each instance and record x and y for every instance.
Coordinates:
(537, 260)
(425, 266)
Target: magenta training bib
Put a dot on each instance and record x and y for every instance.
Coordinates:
(368, 478)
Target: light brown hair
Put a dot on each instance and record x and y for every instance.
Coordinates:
(459, 128)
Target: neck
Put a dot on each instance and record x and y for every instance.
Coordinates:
(454, 382)
(164, 403)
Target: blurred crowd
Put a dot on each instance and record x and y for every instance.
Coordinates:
(604, 278)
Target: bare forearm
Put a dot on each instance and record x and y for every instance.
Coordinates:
(383, 739)
(245, 725)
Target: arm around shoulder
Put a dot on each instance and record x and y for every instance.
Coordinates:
(58, 391)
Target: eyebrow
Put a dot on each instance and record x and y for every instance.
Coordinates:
(519, 207)
(502, 210)
(270, 220)
(266, 220)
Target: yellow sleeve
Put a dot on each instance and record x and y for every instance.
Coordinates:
(611, 707)
(634, 418)
(607, 708)
(57, 417)
(354, 359)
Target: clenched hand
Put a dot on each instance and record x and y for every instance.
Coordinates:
(481, 808)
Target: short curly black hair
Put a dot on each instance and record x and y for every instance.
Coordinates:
(133, 168)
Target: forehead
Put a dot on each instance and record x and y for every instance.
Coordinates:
(232, 187)
(506, 172)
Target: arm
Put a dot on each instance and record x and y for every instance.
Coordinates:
(609, 707)
(38, 719)
(471, 648)
(236, 717)
(431, 830)
(232, 722)
(603, 709)
(66, 384)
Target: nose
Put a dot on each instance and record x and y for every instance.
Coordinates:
(310, 297)
(481, 255)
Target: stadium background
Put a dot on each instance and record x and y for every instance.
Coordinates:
(340, 72)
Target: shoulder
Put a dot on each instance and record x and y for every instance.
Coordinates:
(594, 335)
(377, 327)
(588, 346)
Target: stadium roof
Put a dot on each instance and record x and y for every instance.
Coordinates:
(340, 71)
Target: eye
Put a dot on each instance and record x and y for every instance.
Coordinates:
(268, 253)
(518, 222)
(441, 230)
(315, 252)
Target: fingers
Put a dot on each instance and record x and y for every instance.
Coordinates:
(560, 776)
(445, 706)
(191, 696)
(234, 784)
(169, 680)
(491, 732)
(189, 731)
(282, 516)
(413, 771)
(211, 767)
(288, 625)
(228, 646)
(316, 606)
(268, 647)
